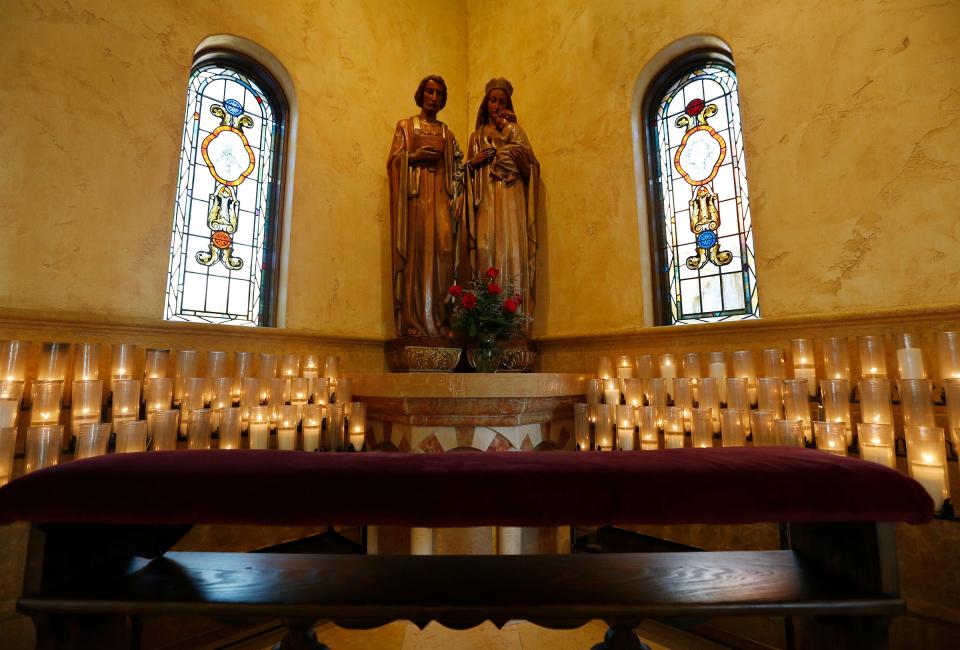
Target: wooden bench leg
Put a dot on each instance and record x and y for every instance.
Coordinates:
(299, 636)
(621, 638)
(844, 632)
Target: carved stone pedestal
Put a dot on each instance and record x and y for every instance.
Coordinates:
(415, 354)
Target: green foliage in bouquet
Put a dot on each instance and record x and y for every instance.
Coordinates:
(486, 307)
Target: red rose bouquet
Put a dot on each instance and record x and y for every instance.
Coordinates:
(486, 308)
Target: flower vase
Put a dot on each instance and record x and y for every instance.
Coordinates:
(486, 357)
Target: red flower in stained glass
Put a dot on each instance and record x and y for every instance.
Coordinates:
(694, 107)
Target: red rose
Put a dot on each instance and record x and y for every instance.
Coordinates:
(509, 305)
(469, 300)
(492, 272)
(517, 298)
(455, 290)
(494, 289)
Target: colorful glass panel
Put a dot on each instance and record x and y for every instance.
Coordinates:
(219, 251)
(709, 270)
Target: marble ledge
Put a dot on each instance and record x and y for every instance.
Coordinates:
(468, 385)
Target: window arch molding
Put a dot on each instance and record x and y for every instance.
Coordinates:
(252, 60)
(656, 77)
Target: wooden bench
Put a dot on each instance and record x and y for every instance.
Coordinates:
(99, 557)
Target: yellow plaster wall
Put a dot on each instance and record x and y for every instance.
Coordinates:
(851, 112)
(93, 95)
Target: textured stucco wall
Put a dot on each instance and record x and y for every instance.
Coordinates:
(850, 110)
(93, 98)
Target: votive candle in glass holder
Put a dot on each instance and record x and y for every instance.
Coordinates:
(658, 397)
(184, 367)
(156, 363)
(604, 368)
(611, 391)
(158, 393)
(289, 365)
(624, 367)
(312, 421)
(836, 404)
(647, 420)
(123, 362)
(836, 359)
(804, 366)
(267, 366)
(279, 391)
(126, 401)
(198, 429)
(259, 427)
(8, 444)
(13, 360)
(594, 391)
(717, 368)
(644, 366)
(229, 433)
(831, 436)
(54, 361)
(11, 389)
(876, 443)
(242, 367)
(606, 426)
(737, 393)
(668, 367)
(581, 425)
(633, 392)
(9, 408)
(927, 460)
(873, 357)
(333, 439)
(673, 427)
(683, 398)
(216, 369)
(761, 426)
(709, 391)
(916, 398)
(131, 436)
(626, 423)
(311, 366)
(221, 397)
(701, 427)
(743, 366)
(909, 357)
(875, 401)
(299, 391)
(733, 431)
(45, 400)
(87, 400)
(358, 425)
(331, 367)
(789, 433)
(691, 365)
(770, 395)
(344, 393)
(86, 361)
(796, 404)
(951, 388)
(321, 390)
(42, 448)
(162, 425)
(249, 392)
(948, 354)
(191, 398)
(772, 363)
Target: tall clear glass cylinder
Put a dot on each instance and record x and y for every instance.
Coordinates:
(267, 367)
(647, 422)
(873, 357)
(86, 403)
(289, 365)
(733, 431)
(916, 398)
(86, 362)
(162, 425)
(773, 363)
(717, 368)
(877, 443)
(13, 360)
(796, 404)
(357, 426)
(910, 364)
(156, 363)
(743, 366)
(8, 444)
(831, 436)
(761, 426)
(683, 398)
(131, 436)
(158, 393)
(45, 400)
(770, 395)
(875, 401)
(836, 404)
(229, 429)
(54, 361)
(836, 358)
(673, 427)
(951, 388)
(184, 367)
(626, 423)
(42, 447)
(701, 428)
(581, 425)
(312, 416)
(789, 433)
(948, 354)
(709, 398)
(198, 429)
(606, 426)
(927, 460)
(126, 401)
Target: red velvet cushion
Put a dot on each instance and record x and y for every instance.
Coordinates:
(711, 486)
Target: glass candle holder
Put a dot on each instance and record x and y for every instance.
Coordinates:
(312, 421)
(267, 366)
(876, 443)
(594, 391)
(216, 365)
(45, 400)
(927, 460)
(909, 357)
(701, 427)
(259, 427)
(87, 400)
(836, 404)
(11, 389)
(644, 366)
(611, 391)
(581, 425)
(287, 417)
(162, 425)
(54, 360)
(221, 397)
(831, 437)
(836, 359)
(9, 408)
(158, 393)
(321, 390)
(229, 432)
(8, 444)
(156, 363)
(737, 393)
(299, 391)
(86, 362)
(242, 367)
(123, 362)
(249, 392)
(803, 363)
(772, 359)
(331, 367)
(796, 404)
(647, 421)
(948, 354)
(42, 448)
(733, 432)
(623, 365)
(717, 368)
(916, 398)
(789, 433)
(357, 425)
(198, 429)
(951, 388)
(279, 391)
(131, 436)
(13, 360)
(770, 395)
(605, 426)
(673, 427)
(691, 366)
(761, 427)
(743, 366)
(875, 401)
(191, 397)
(668, 367)
(344, 390)
(709, 398)
(310, 366)
(658, 396)
(289, 365)
(333, 439)
(184, 367)
(633, 392)
(604, 368)
(626, 423)
(126, 401)
(873, 357)
(683, 398)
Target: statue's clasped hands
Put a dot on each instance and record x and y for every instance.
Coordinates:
(425, 155)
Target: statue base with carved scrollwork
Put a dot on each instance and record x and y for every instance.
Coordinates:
(516, 355)
(421, 354)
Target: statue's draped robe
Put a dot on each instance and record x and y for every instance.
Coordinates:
(502, 215)
(424, 228)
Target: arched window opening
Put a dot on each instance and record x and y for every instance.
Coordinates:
(702, 237)
(223, 251)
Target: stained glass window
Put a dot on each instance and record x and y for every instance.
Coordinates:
(221, 251)
(705, 253)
